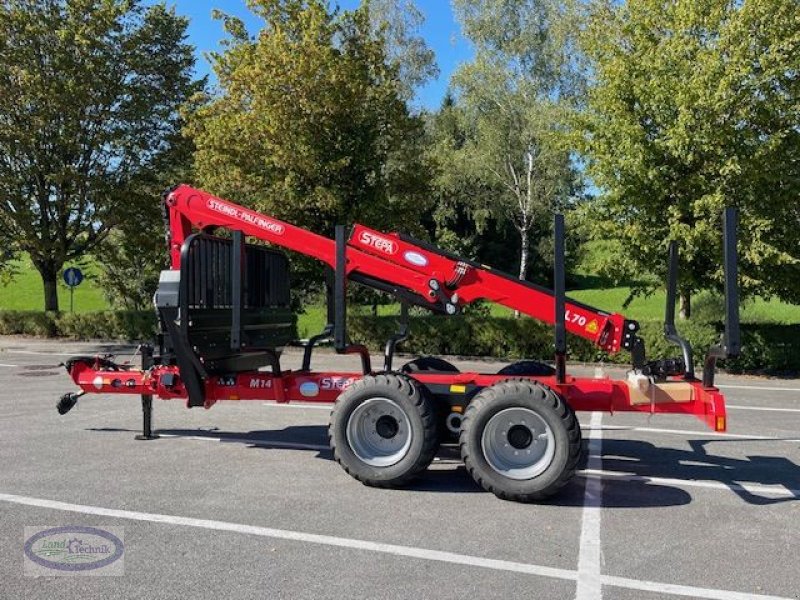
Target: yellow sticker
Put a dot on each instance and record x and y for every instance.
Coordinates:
(592, 327)
(458, 389)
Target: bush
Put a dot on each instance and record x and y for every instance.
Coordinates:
(766, 348)
(125, 325)
(40, 324)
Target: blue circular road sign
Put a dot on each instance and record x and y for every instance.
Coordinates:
(73, 276)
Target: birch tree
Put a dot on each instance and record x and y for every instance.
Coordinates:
(514, 96)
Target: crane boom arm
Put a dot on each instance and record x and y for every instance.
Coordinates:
(445, 281)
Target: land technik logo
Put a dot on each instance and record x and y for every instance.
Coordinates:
(74, 550)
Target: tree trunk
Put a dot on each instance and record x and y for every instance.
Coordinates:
(523, 255)
(524, 252)
(685, 304)
(49, 275)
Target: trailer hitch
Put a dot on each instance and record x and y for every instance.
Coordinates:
(68, 401)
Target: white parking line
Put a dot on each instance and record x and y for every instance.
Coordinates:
(5, 365)
(35, 353)
(756, 387)
(381, 548)
(680, 590)
(752, 488)
(589, 585)
(695, 432)
(762, 408)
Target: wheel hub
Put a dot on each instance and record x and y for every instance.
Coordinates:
(518, 443)
(387, 427)
(520, 437)
(379, 432)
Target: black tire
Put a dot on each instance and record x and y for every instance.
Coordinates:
(103, 363)
(429, 363)
(397, 394)
(548, 408)
(527, 368)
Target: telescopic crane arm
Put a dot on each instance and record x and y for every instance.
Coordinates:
(426, 275)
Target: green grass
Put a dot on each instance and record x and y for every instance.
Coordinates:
(26, 292)
(312, 319)
(650, 308)
(611, 300)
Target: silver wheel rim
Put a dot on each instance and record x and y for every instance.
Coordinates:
(379, 432)
(518, 443)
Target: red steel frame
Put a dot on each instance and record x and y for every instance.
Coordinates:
(395, 260)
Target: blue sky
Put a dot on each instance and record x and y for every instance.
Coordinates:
(440, 31)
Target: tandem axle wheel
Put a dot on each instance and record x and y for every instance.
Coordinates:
(520, 440)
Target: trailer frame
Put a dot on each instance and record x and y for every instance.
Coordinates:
(414, 272)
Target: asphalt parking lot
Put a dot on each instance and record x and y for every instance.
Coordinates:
(244, 501)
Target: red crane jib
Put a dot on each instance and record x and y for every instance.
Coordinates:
(395, 259)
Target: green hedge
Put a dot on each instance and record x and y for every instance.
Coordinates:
(766, 348)
(121, 325)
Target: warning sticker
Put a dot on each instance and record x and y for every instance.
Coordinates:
(592, 327)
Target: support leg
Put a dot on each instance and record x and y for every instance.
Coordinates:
(147, 399)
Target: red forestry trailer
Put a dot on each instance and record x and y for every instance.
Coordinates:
(223, 308)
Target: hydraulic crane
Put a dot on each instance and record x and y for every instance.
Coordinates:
(224, 312)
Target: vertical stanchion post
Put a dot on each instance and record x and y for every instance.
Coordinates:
(559, 284)
(340, 291)
(147, 399)
(237, 249)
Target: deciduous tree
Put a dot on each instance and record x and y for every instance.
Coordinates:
(695, 106)
(399, 22)
(309, 122)
(89, 92)
(513, 98)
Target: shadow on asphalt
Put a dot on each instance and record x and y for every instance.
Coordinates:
(624, 457)
(648, 460)
(644, 459)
